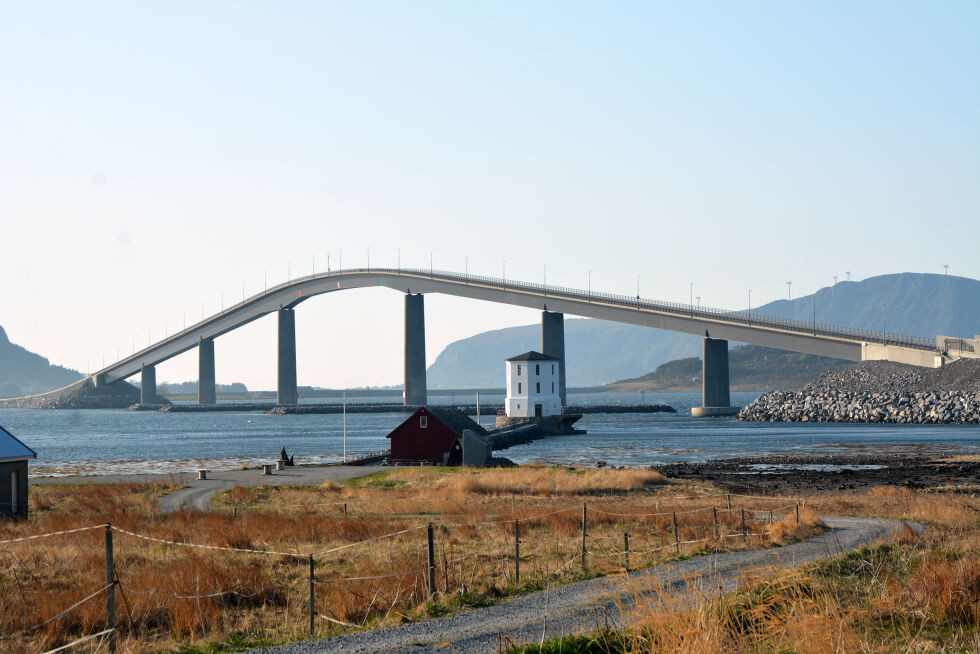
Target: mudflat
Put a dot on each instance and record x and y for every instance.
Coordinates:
(857, 471)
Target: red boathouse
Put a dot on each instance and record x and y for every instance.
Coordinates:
(432, 435)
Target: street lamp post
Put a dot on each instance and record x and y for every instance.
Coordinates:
(590, 283)
(691, 300)
(637, 287)
(466, 266)
(750, 302)
(505, 270)
(546, 274)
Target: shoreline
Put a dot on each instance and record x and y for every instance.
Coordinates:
(854, 472)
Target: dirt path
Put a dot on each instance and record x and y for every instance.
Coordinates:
(580, 607)
(199, 492)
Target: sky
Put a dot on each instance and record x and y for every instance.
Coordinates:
(157, 158)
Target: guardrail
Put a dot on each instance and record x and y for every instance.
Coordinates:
(746, 318)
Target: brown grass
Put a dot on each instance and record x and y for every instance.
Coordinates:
(914, 593)
(172, 595)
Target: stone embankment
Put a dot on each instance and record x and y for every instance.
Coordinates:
(879, 391)
(81, 395)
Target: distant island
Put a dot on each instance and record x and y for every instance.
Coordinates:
(751, 368)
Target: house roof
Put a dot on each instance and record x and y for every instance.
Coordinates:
(11, 449)
(455, 419)
(532, 356)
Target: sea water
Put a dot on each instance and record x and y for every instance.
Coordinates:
(119, 441)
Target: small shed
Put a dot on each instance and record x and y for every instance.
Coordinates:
(13, 474)
(432, 435)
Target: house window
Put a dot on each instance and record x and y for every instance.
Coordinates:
(537, 387)
(518, 388)
(423, 422)
(552, 369)
(552, 387)
(537, 369)
(518, 370)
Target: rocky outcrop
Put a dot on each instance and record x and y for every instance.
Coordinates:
(82, 395)
(943, 407)
(879, 391)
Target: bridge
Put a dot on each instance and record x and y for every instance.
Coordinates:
(717, 326)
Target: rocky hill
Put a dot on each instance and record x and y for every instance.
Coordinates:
(751, 368)
(24, 373)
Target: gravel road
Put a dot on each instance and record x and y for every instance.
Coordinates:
(198, 493)
(579, 607)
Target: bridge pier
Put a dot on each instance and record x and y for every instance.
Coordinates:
(715, 397)
(416, 393)
(286, 392)
(148, 384)
(553, 345)
(205, 372)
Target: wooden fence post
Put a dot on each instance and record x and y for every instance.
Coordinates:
(626, 548)
(312, 595)
(432, 564)
(110, 591)
(729, 503)
(797, 512)
(677, 540)
(517, 552)
(744, 537)
(714, 511)
(585, 513)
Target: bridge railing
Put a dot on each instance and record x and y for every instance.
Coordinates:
(746, 317)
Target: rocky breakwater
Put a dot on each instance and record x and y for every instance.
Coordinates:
(81, 395)
(879, 391)
(948, 407)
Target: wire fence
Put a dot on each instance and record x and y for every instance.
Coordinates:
(200, 584)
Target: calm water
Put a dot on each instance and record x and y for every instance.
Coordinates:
(126, 441)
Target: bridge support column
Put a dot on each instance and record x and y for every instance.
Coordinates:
(416, 393)
(205, 372)
(286, 390)
(553, 345)
(715, 397)
(148, 385)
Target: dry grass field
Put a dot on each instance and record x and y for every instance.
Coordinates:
(914, 594)
(368, 538)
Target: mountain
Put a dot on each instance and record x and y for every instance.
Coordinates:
(599, 352)
(750, 368)
(23, 373)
